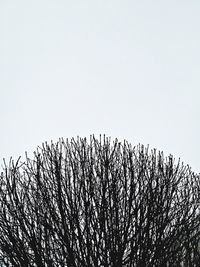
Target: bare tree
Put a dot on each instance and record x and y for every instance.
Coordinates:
(99, 204)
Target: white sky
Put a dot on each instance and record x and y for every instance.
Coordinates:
(129, 69)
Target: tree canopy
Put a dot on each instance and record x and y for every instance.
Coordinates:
(99, 203)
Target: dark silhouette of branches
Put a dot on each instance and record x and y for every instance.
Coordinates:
(99, 204)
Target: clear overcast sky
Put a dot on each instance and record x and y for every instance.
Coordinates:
(129, 69)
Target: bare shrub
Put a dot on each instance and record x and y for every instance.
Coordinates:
(100, 203)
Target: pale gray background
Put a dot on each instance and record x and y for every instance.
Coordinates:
(129, 69)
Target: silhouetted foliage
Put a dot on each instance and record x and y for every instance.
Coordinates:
(99, 204)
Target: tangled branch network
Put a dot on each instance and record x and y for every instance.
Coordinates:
(99, 203)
